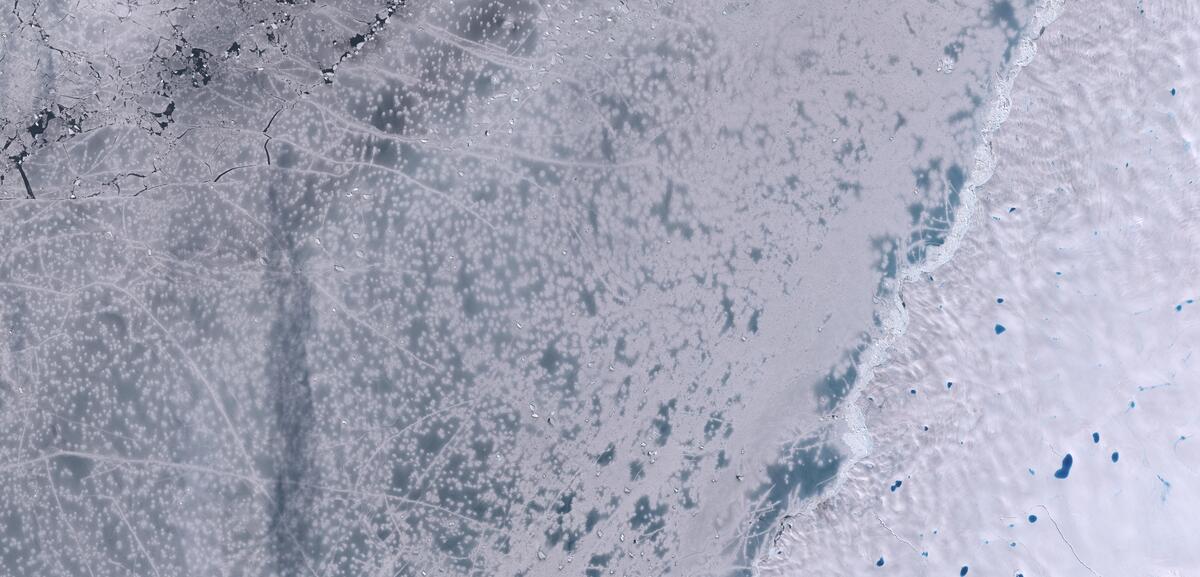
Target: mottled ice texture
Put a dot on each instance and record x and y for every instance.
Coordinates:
(475, 288)
(1067, 444)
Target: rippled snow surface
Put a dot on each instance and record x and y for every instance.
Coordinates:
(518, 288)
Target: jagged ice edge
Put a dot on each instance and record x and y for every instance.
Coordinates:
(895, 319)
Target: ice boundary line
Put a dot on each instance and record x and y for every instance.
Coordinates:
(894, 324)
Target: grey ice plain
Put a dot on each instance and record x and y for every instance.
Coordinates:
(455, 288)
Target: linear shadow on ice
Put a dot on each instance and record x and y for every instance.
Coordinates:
(288, 373)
